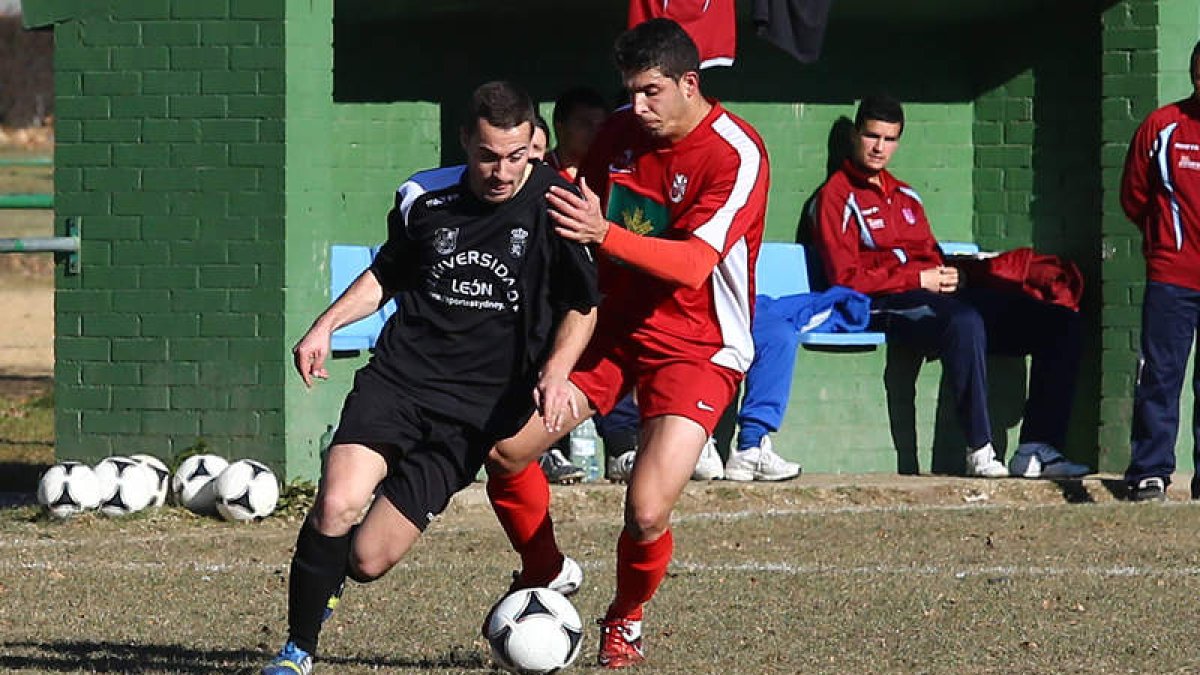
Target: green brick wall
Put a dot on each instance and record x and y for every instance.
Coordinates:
(344, 163)
(170, 141)
(214, 149)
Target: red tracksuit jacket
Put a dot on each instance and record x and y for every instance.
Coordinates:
(874, 240)
(1160, 192)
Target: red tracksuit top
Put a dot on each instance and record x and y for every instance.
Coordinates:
(874, 240)
(1160, 192)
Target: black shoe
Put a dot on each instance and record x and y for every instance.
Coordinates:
(558, 470)
(1152, 489)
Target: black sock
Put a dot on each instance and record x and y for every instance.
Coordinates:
(318, 569)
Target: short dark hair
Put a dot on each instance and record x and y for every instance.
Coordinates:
(1194, 69)
(657, 43)
(575, 98)
(540, 123)
(501, 104)
(880, 107)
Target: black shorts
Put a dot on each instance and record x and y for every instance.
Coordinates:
(430, 456)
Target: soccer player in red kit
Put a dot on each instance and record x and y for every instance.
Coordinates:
(674, 192)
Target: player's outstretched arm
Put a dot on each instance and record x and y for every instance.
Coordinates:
(363, 297)
(554, 394)
(685, 263)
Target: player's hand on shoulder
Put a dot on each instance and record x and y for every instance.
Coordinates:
(577, 216)
(309, 355)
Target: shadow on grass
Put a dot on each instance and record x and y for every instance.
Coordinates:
(20, 477)
(114, 657)
(1075, 491)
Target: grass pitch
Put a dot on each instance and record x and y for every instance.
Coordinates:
(939, 576)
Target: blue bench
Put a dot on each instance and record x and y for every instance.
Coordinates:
(789, 269)
(346, 262)
(783, 269)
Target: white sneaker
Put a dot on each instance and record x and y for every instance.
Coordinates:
(982, 463)
(619, 468)
(761, 463)
(709, 466)
(1041, 460)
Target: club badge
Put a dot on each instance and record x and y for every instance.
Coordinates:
(445, 240)
(517, 240)
(678, 188)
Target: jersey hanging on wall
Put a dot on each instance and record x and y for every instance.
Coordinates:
(712, 24)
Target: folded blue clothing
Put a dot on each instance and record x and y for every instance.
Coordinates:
(836, 310)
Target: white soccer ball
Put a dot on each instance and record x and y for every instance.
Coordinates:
(246, 490)
(193, 484)
(68, 488)
(162, 476)
(534, 630)
(126, 485)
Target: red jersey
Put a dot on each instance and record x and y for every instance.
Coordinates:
(711, 185)
(1160, 192)
(875, 240)
(712, 24)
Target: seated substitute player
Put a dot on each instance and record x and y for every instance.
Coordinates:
(683, 184)
(494, 310)
(874, 238)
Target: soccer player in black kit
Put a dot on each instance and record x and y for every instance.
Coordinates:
(494, 310)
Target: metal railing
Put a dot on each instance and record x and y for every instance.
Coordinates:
(68, 245)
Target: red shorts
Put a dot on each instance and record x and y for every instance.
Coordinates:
(666, 384)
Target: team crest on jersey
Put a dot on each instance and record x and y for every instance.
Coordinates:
(909, 216)
(445, 240)
(517, 240)
(678, 187)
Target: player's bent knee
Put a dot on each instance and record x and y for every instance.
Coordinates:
(507, 458)
(334, 514)
(647, 524)
(365, 568)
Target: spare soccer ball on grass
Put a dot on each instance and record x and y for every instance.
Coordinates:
(246, 490)
(68, 488)
(534, 630)
(126, 485)
(193, 483)
(162, 475)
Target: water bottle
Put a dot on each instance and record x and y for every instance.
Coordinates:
(324, 442)
(583, 450)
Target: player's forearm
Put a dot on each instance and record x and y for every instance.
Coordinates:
(362, 298)
(574, 332)
(683, 263)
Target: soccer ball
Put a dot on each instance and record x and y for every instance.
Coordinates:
(126, 485)
(68, 488)
(534, 630)
(193, 484)
(162, 476)
(246, 490)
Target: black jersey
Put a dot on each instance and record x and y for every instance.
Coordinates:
(480, 289)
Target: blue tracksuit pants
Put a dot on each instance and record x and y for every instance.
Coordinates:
(1170, 316)
(963, 328)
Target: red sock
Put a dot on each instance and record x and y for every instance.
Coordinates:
(522, 505)
(641, 566)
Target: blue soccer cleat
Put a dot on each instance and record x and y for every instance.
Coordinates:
(291, 661)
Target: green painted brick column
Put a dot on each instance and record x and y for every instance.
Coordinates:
(1146, 44)
(170, 147)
